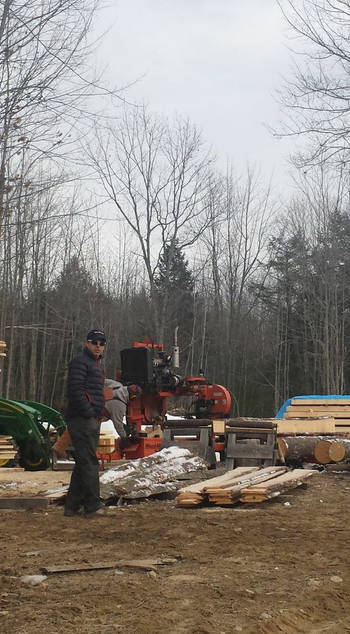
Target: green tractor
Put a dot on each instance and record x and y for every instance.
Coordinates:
(30, 425)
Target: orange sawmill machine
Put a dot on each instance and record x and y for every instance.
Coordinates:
(147, 364)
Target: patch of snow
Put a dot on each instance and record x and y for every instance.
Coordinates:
(107, 425)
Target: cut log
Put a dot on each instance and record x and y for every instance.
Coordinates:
(332, 450)
(322, 452)
(338, 455)
(314, 449)
(298, 447)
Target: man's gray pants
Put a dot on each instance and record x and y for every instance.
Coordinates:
(84, 488)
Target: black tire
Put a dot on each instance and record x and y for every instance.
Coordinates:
(32, 459)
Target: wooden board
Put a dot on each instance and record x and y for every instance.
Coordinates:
(198, 487)
(321, 401)
(297, 413)
(138, 564)
(325, 409)
(321, 426)
(24, 503)
(283, 483)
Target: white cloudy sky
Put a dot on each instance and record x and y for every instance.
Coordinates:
(217, 62)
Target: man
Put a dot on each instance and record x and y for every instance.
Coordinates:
(85, 404)
(115, 408)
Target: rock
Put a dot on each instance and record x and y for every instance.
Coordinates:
(32, 580)
(238, 628)
(336, 579)
(152, 574)
(314, 583)
(265, 616)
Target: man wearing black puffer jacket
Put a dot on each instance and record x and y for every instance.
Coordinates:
(85, 404)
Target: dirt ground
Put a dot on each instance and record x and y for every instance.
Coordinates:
(281, 567)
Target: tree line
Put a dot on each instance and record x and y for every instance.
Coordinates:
(121, 219)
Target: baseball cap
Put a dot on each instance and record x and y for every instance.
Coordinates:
(134, 390)
(96, 334)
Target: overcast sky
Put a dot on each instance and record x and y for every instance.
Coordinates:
(217, 62)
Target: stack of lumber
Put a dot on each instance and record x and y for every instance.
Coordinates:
(195, 494)
(312, 425)
(317, 449)
(266, 490)
(307, 409)
(243, 484)
(106, 443)
(7, 450)
(231, 494)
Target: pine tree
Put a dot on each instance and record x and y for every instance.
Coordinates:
(174, 285)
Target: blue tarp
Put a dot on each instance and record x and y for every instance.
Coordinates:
(283, 409)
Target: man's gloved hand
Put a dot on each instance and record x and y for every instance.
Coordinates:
(125, 442)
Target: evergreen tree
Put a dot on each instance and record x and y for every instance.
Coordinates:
(174, 285)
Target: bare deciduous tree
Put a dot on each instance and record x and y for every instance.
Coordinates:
(317, 97)
(158, 177)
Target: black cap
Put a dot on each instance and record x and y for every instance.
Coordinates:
(96, 334)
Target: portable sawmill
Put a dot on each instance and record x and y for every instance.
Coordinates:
(147, 364)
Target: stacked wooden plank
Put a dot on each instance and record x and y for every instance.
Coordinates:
(8, 451)
(228, 495)
(106, 443)
(194, 494)
(226, 489)
(313, 425)
(266, 490)
(307, 409)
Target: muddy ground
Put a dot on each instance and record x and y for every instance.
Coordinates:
(267, 569)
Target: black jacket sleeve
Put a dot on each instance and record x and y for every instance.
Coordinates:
(76, 387)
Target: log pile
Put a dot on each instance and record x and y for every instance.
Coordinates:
(135, 479)
(8, 451)
(316, 449)
(243, 484)
(151, 475)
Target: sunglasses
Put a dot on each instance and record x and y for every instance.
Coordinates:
(96, 343)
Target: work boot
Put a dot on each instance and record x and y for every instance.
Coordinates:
(60, 452)
(99, 513)
(70, 513)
